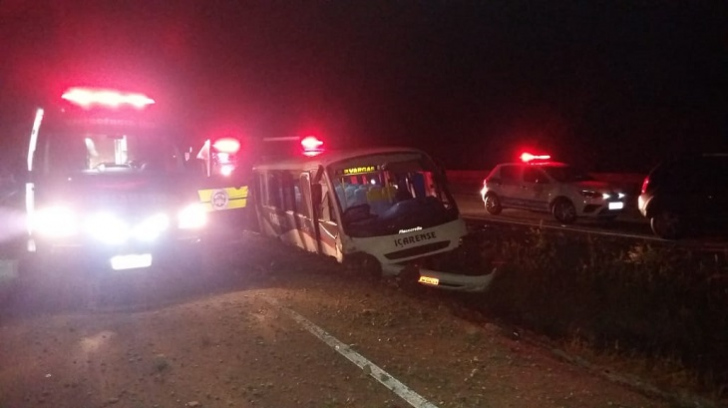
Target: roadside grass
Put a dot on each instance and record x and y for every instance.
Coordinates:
(663, 306)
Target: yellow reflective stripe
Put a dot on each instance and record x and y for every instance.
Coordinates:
(224, 198)
(205, 195)
(239, 203)
(231, 205)
(232, 192)
(235, 193)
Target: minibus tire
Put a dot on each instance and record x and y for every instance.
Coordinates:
(364, 264)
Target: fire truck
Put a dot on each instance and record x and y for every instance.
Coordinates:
(224, 194)
(109, 185)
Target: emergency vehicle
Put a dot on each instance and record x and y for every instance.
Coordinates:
(224, 193)
(107, 185)
(540, 184)
(387, 211)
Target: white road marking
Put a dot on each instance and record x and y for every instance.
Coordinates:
(404, 392)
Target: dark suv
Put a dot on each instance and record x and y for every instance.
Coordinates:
(686, 194)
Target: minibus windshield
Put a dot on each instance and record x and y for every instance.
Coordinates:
(381, 194)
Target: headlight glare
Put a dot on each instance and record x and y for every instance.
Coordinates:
(108, 228)
(193, 216)
(150, 228)
(55, 222)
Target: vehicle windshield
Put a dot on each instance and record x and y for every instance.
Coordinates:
(567, 174)
(382, 194)
(64, 153)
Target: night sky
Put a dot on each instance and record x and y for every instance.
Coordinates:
(613, 85)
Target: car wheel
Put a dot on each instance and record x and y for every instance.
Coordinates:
(492, 204)
(667, 224)
(564, 211)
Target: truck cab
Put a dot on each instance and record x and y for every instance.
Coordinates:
(107, 185)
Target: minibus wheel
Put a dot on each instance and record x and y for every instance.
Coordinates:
(364, 264)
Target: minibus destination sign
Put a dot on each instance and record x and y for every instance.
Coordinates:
(358, 170)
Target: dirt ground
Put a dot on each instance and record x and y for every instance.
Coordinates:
(229, 337)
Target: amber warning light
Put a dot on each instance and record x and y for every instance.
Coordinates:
(528, 157)
(88, 97)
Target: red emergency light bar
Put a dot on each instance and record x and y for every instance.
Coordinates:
(528, 157)
(229, 145)
(312, 145)
(88, 97)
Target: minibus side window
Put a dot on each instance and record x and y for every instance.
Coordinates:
(263, 189)
(298, 199)
(274, 190)
(327, 205)
(303, 195)
(287, 192)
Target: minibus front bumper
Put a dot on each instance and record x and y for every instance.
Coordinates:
(444, 280)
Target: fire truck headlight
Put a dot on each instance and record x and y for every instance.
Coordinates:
(150, 228)
(55, 222)
(227, 169)
(193, 216)
(108, 228)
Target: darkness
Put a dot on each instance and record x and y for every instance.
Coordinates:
(614, 85)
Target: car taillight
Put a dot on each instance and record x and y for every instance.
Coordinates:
(645, 183)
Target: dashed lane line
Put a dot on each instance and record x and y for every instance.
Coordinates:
(386, 379)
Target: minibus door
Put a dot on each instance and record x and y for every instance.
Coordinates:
(311, 219)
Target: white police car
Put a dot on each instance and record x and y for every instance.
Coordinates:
(538, 184)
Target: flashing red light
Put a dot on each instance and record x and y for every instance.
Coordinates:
(88, 97)
(227, 169)
(223, 157)
(227, 145)
(527, 157)
(312, 145)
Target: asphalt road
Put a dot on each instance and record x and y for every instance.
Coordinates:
(264, 326)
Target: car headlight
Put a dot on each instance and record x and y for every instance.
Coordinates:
(55, 222)
(150, 228)
(621, 195)
(113, 230)
(193, 216)
(108, 228)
